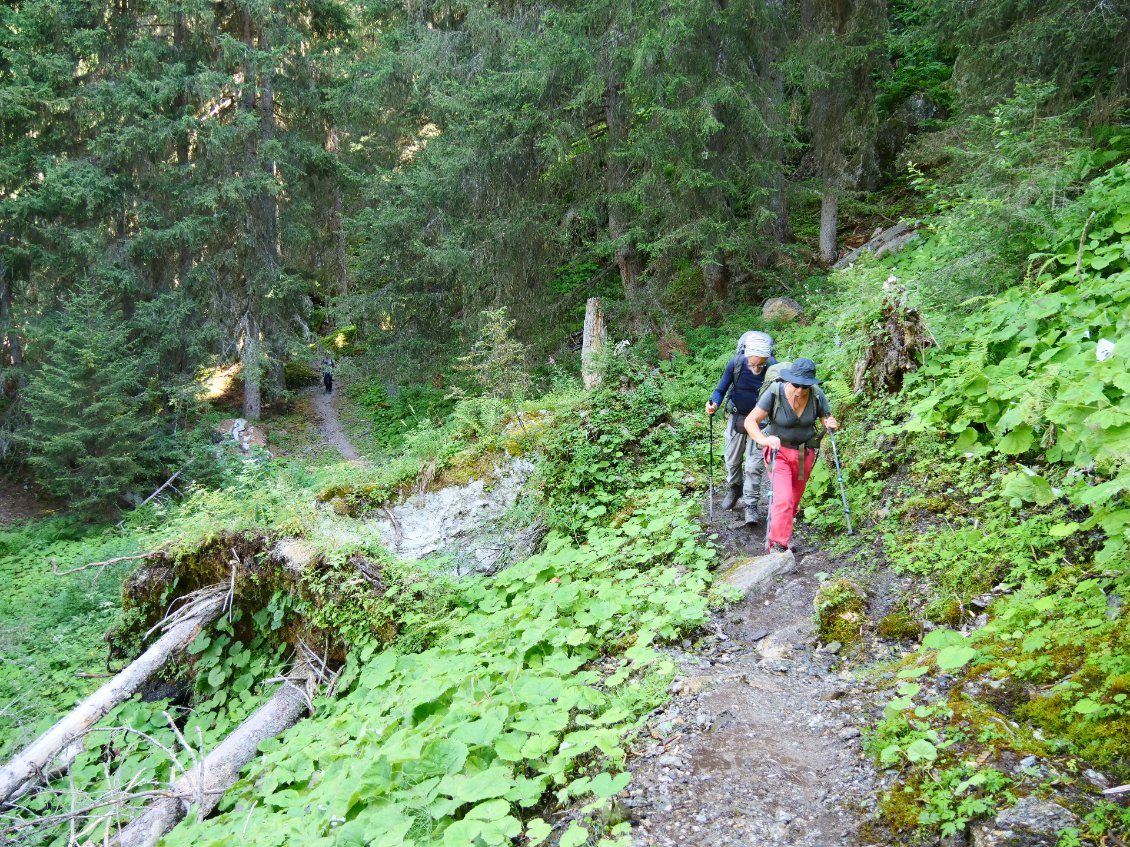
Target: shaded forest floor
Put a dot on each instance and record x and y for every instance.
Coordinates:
(19, 503)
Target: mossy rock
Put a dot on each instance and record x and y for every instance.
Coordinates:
(899, 626)
(945, 612)
(841, 612)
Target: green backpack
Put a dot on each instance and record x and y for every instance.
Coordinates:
(773, 381)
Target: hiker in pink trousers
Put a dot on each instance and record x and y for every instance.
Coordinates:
(792, 407)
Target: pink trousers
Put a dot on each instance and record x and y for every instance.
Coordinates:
(787, 490)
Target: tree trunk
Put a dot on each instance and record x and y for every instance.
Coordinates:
(263, 210)
(592, 342)
(11, 348)
(251, 368)
(715, 280)
(625, 253)
(23, 772)
(206, 783)
(829, 208)
(337, 216)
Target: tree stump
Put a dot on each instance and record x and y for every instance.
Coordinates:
(593, 341)
(896, 345)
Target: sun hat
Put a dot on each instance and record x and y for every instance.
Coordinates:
(802, 372)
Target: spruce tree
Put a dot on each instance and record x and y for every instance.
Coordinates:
(88, 436)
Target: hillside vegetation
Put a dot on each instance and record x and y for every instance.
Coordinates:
(200, 201)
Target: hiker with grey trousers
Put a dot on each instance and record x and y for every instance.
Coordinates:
(742, 380)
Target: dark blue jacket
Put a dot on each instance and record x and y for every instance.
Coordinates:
(745, 389)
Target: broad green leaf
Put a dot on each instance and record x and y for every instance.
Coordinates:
(939, 638)
(955, 656)
(921, 750)
(1017, 441)
(537, 831)
(574, 836)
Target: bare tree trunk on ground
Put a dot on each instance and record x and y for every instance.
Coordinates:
(22, 773)
(829, 210)
(592, 342)
(206, 783)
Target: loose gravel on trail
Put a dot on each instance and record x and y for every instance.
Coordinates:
(329, 424)
(760, 744)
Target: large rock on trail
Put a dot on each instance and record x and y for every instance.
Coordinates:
(1030, 823)
(756, 574)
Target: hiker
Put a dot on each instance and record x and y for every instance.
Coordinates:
(742, 378)
(792, 407)
(328, 374)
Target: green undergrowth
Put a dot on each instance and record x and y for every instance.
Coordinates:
(143, 743)
(532, 690)
(1000, 475)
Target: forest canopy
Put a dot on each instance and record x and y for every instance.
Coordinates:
(191, 185)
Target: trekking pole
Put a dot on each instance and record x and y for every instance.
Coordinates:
(840, 477)
(710, 490)
(769, 516)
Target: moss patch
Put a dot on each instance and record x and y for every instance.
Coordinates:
(841, 612)
(899, 626)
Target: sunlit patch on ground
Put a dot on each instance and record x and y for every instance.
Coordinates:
(217, 382)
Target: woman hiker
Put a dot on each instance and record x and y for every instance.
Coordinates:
(792, 406)
(743, 377)
(328, 374)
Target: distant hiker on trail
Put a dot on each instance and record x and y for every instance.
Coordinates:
(742, 378)
(328, 374)
(792, 407)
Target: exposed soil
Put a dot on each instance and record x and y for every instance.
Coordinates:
(329, 423)
(761, 743)
(19, 503)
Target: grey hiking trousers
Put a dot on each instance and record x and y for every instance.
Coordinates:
(744, 465)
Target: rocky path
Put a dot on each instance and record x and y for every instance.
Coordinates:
(329, 423)
(760, 744)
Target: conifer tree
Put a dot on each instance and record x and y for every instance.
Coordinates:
(89, 437)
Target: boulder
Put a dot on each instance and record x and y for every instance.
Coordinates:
(756, 574)
(1030, 823)
(295, 554)
(781, 309)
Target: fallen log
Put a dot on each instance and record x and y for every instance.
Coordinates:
(889, 240)
(28, 768)
(204, 784)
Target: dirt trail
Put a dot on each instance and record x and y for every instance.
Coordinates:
(760, 744)
(329, 423)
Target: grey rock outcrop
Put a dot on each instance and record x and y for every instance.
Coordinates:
(1030, 823)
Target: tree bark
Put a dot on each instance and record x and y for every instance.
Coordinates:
(23, 772)
(625, 252)
(337, 216)
(829, 209)
(592, 342)
(263, 210)
(715, 280)
(206, 783)
(251, 368)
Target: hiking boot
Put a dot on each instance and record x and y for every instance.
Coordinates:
(778, 548)
(732, 498)
(751, 516)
